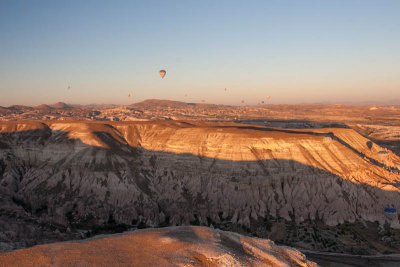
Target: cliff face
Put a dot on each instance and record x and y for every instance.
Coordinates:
(78, 174)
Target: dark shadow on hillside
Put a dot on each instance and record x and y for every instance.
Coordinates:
(294, 123)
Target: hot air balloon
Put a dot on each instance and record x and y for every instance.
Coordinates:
(242, 101)
(268, 97)
(68, 87)
(129, 95)
(162, 73)
(262, 102)
(225, 89)
(390, 212)
(203, 100)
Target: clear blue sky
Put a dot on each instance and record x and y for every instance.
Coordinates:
(294, 51)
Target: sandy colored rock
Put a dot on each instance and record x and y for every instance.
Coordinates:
(172, 246)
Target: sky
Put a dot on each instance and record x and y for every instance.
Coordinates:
(310, 51)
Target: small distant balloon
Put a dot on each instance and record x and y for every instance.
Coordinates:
(262, 102)
(162, 73)
(203, 100)
(242, 101)
(68, 87)
(390, 212)
(268, 97)
(129, 95)
(225, 89)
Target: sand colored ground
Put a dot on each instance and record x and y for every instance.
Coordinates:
(173, 246)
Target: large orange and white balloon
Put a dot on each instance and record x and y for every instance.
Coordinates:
(162, 73)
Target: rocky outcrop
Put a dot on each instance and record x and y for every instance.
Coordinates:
(172, 246)
(80, 174)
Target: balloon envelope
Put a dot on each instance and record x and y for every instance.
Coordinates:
(162, 73)
(390, 212)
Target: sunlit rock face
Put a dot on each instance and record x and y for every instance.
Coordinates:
(172, 246)
(80, 174)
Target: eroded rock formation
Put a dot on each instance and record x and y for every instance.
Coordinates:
(79, 174)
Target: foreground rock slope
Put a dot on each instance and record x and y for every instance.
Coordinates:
(74, 176)
(172, 246)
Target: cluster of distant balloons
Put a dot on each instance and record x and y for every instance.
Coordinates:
(164, 72)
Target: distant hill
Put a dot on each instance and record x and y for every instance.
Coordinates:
(43, 106)
(4, 110)
(20, 107)
(61, 105)
(14, 109)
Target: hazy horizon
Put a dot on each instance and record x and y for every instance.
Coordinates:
(295, 52)
(349, 103)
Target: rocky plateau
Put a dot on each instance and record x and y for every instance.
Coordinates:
(320, 188)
